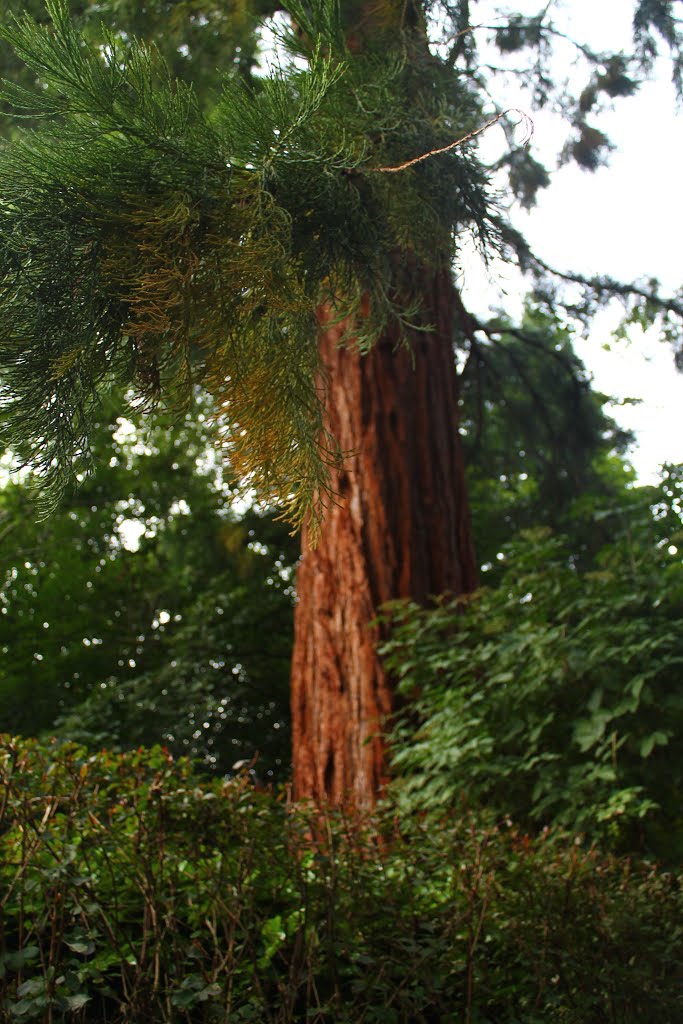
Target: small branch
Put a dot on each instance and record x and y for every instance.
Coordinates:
(607, 285)
(7, 529)
(504, 21)
(528, 134)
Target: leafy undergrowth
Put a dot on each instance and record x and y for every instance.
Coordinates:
(134, 891)
(554, 697)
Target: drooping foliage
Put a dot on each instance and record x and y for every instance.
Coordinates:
(158, 233)
(149, 243)
(139, 892)
(555, 696)
(202, 41)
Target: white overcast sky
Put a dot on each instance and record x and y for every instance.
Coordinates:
(625, 220)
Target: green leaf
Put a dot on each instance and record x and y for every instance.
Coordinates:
(31, 987)
(80, 944)
(15, 961)
(273, 936)
(655, 739)
(588, 731)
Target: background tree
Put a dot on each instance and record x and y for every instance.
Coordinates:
(160, 644)
(540, 448)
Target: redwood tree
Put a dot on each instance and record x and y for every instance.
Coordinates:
(288, 246)
(184, 247)
(399, 527)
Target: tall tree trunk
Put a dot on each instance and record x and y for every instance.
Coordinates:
(400, 528)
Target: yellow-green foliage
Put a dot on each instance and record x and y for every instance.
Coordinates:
(149, 243)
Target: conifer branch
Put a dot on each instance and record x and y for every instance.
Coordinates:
(603, 285)
(149, 246)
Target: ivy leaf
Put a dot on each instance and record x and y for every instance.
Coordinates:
(655, 739)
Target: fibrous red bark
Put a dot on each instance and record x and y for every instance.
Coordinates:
(400, 529)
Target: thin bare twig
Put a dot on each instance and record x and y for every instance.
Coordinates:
(528, 134)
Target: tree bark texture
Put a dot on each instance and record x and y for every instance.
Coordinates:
(400, 529)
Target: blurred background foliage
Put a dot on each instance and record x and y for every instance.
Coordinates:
(136, 613)
(541, 447)
(202, 41)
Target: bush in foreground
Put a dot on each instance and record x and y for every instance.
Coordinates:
(134, 891)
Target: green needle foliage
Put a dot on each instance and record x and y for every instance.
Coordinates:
(150, 244)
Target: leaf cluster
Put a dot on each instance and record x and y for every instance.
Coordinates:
(554, 697)
(134, 890)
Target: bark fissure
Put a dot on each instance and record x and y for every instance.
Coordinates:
(399, 528)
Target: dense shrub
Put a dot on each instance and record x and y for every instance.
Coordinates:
(554, 697)
(132, 891)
